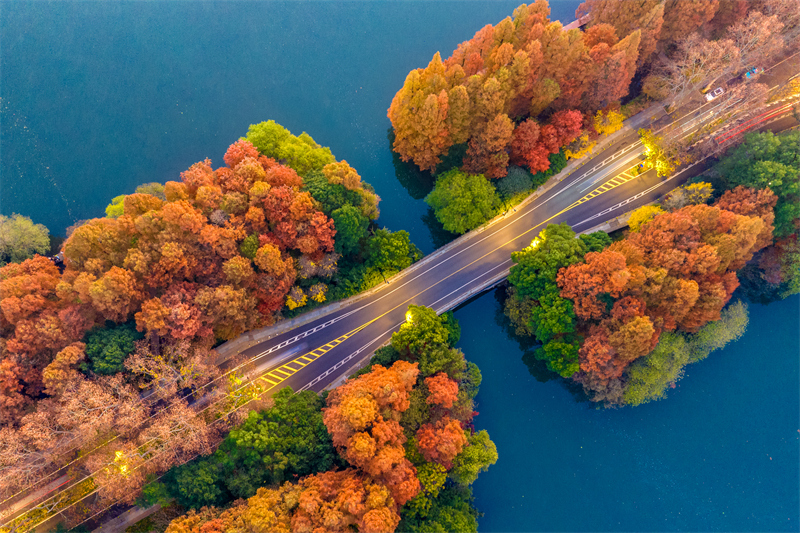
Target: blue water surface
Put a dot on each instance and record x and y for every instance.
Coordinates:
(100, 97)
(719, 454)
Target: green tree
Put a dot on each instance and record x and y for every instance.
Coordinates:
(351, 229)
(301, 152)
(535, 269)
(516, 182)
(109, 346)
(153, 189)
(768, 160)
(249, 246)
(453, 328)
(431, 478)
(330, 196)
(275, 445)
(715, 335)
(391, 251)
(651, 375)
(450, 511)
(561, 357)
(476, 457)
(154, 493)
(423, 330)
(553, 317)
(286, 441)
(117, 207)
(20, 239)
(462, 201)
(534, 304)
(596, 242)
(196, 484)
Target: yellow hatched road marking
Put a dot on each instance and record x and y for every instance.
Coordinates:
(268, 381)
(281, 370)
(273, 376)
(297, 362)
(309, 359)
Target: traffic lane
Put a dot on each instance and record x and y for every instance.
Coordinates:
(475, 260)
(339, 361)
(632, 195)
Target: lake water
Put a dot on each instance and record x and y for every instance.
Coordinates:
(98, 98)
(719, 454)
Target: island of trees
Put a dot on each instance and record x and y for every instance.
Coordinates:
(623, 318)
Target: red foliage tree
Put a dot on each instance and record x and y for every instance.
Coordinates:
(442, 441)
(441, 390)
(362, 418)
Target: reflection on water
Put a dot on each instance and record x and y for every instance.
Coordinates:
(439, 235)
(536, 368)
(416, 182)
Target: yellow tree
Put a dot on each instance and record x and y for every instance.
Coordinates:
(656, 156)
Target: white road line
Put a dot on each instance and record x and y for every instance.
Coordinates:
(638, 195)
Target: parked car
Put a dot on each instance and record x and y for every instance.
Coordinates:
(753, 72)
(714, 94)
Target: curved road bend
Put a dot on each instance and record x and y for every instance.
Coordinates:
(317, 354)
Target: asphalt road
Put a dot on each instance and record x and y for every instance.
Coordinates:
(320, 353)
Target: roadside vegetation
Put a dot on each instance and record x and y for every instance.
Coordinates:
(526, 95)
(393, 448)
(144, 294)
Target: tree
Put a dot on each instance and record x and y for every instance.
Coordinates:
(451, 510)
(117, 207)
(440, 442)
(419, 113)
(153, 189)
(609, 122)
(422, 331)
(682, 17)
(690, 194)
(479, 454)
(364, 436)
(643, 215)
(57, 374)
(646, 15)
(765, 160)
(238, 151)
(517, 182)
(694, 65)
(351, 229)
(657, 156)
(301, 153)
(462, 201)
(441, 390)
(536, 266)
(650, 376)
(758, 38)
(391, 251)
(487, 151)
(20, 239)
(108, 347)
